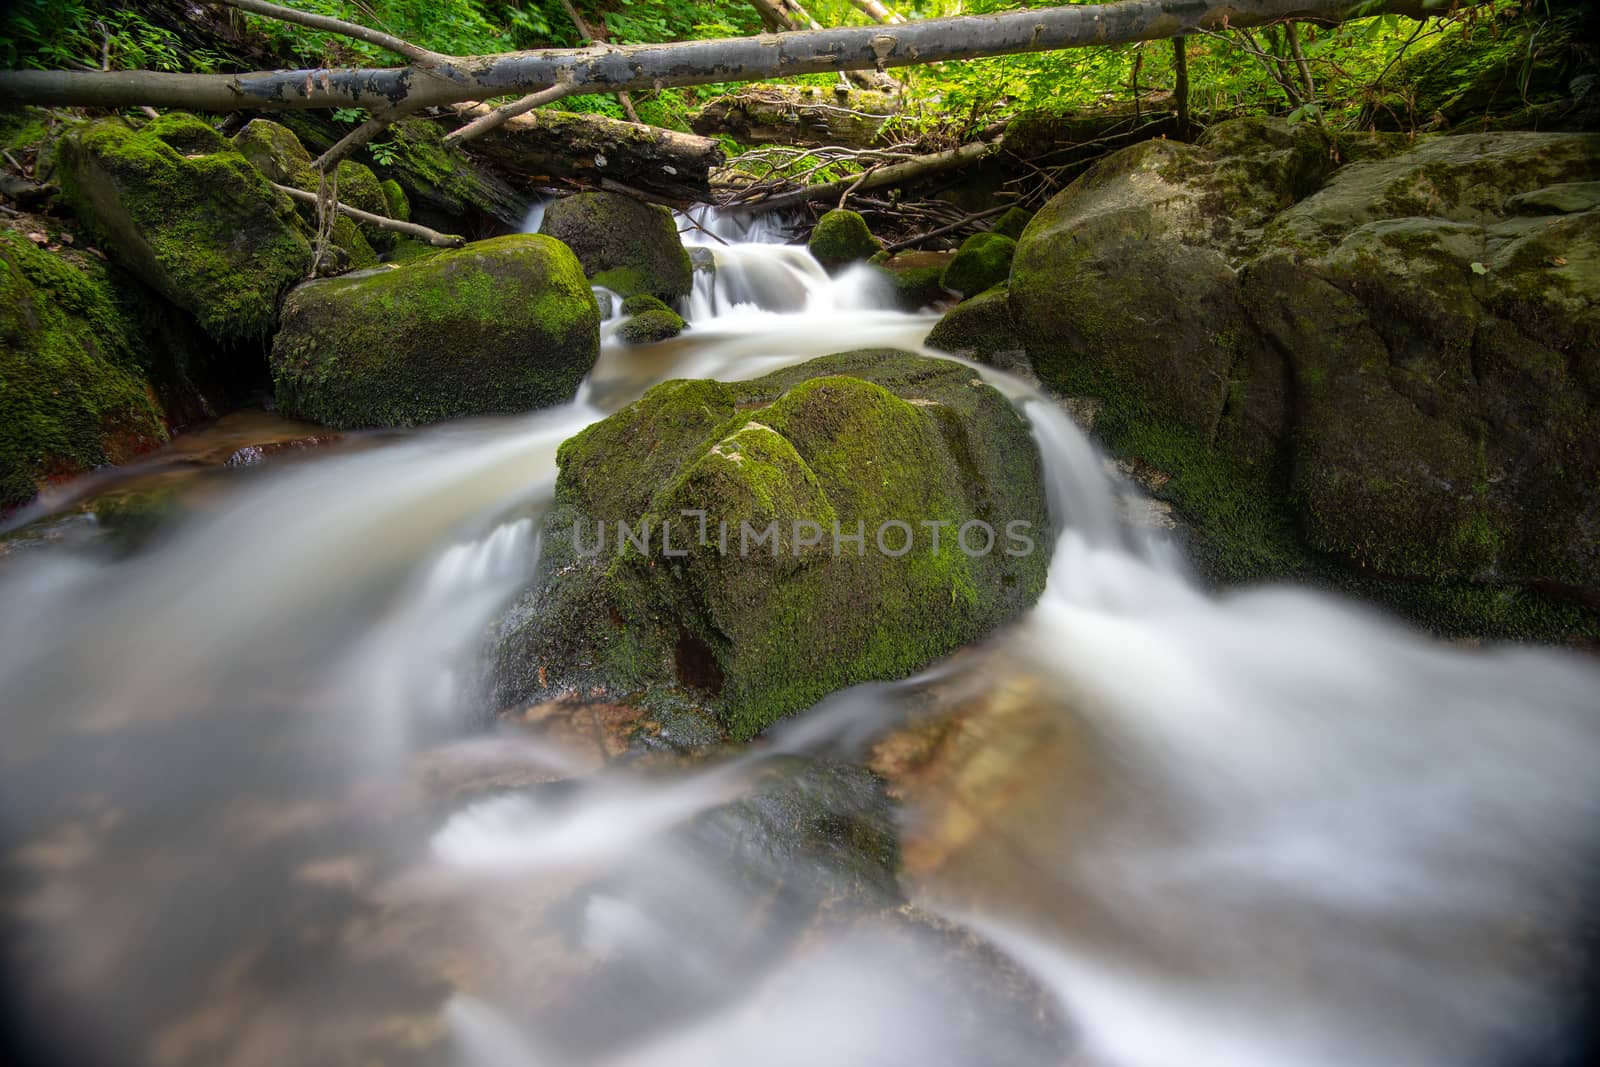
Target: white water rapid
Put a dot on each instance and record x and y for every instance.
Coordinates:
(250, 812)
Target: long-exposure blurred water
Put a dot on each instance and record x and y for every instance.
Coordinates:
(1263, 828)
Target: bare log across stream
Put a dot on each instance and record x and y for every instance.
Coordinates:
(545, 146)
(438, 80)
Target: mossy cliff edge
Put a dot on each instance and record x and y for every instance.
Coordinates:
(756, 630)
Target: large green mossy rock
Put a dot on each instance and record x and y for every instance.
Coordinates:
(760, 629)
(624, 244)
(197, 222)
(983, 329)
(498, 327)
(1399, 385)
(841, 238)
(73, 391)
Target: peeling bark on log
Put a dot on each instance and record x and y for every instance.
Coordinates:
(654, 66)
(797, 115)
(547, 145)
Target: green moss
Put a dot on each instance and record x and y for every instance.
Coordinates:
(982, 328)
(1012, 222)
(207, 232)
(639, 303)
(626, 282)
(1494, 66)
(841, 238)
(500, 326)
(72, 389)
(859, 438)
(277, 153)
(24, 127)
(395, 197)
(186, 133)
(436, 172)
(411, 250)
(649, 326)
(610, 233)
(982, 262)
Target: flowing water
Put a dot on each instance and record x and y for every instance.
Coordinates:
(253, 813)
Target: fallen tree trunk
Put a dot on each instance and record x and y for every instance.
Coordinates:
(878, 178)
(452, 80)
(539, 147)
(797, 115)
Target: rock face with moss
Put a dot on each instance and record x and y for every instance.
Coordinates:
(190, 216)
(982, 262)
(73, 392)
(1389, 376)
(498, 327)
(761, 616)
(624, 244)
(841, 238)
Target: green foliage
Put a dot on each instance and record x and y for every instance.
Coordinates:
(52, 34)
(455, 27)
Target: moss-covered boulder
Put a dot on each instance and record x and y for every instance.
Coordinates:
(767, 612)
(982, 328)
(841, 238)
(276, 152)
(648, 320)
(1396, 389)
(203, 228)
(1012, 222)
(982, 262)
(626, 245)
(73, 391)
(501, 326)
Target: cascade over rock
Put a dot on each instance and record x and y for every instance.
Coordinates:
(762, 630)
